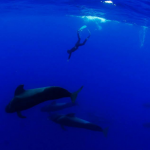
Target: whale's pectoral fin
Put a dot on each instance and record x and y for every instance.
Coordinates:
(71, 115)
(19, 90)
(63, 128)
(105, 131)
(20, 115)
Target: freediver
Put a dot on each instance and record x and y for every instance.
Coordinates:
(77, 44)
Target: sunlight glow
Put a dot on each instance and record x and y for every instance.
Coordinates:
(108, 2)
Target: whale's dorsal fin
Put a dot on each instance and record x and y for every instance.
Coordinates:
(19, 89)
(71, 115)
(20, 115)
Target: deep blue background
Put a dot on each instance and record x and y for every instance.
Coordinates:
(112, 66)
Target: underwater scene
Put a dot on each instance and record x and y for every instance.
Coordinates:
(75, 75)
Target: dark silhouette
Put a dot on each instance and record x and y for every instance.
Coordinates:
(25, 99)
(77, 44)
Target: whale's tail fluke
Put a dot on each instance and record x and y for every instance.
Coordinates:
(105, 132)
(75, 94)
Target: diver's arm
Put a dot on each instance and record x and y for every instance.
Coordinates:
(85, 39)
(81, 44)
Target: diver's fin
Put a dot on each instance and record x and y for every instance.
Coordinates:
(71, 115)
(53, 103)
(83, 27)
(63, 127)
(20, 115)
(105, 132)
(19, 89)
(75, 94)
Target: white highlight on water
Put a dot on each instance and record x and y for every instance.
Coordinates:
(142, 35)
(98, 26)
(95, 18)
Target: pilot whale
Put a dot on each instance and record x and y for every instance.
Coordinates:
(25, 99)
(54, 106)
(72, 121)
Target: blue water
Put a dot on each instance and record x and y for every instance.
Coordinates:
(113, 66)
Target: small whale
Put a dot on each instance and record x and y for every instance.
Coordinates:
(72, 121)
(54, 106)
(25, 99)
(95, 118)
(146, 125)
(146, 105)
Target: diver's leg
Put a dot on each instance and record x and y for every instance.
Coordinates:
(78, 35)
(69, 56)
(78, 42)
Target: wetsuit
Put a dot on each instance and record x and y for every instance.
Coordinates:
(77, 45)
